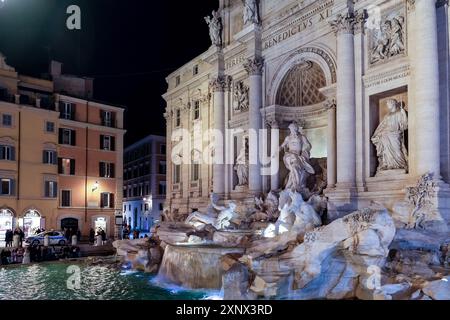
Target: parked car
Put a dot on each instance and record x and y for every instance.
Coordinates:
(55, 238)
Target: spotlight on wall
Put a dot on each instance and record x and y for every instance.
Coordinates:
(95, 186)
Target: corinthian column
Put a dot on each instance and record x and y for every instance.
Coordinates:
(426, 73)
(254, 68)
(219, 86)
(343, 25)
(331, 143)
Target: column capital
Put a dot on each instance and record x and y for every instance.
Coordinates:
(360, 21)
(412, 3)
(330, 104)
(254, 67)
(343, 23)
(272, 123)
(221, 83)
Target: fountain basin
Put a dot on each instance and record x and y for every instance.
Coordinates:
(195, 266)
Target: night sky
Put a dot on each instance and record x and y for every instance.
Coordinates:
(128, 46)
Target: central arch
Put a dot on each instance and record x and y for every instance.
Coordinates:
(319, 57)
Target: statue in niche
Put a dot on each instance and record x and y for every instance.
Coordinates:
(297, 152)
(241, 96)
(390, 41)
(241, 166)
(389, 138)
(251, 11)
(215, 28)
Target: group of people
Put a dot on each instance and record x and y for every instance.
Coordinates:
(69, 233)
(9, 236)
(135, 234)
(93, 235)
(37, 254)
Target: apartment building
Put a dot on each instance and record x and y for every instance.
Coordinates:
(60, 155)
(144, 189)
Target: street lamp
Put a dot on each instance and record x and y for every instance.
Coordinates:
(95, 186)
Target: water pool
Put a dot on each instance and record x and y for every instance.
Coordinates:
(49, 281)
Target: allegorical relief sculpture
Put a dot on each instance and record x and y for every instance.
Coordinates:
(389, 40)
(251, 11)
(389, 138)
(241, 166)
(215, 28)
(297, 151)
(241, 96)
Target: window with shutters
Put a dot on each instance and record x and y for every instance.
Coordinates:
(178, 118)
(162, 167)
(107, 143)
(7, 120)
(67, 110)
(196, 111)
(195, 173)
(162, 188)
(108, 118)
(67, 137)
(66, 166)
(66, 198)
(49, 157)
(106, 170)
(7, 187)
(51, 189)
(7, 153)
(107, 200)
(177, 173)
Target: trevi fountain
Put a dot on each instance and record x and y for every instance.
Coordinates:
(353, 97)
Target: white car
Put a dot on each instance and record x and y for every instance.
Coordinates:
(55, 238)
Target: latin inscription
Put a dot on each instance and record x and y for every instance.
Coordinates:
(299, 27)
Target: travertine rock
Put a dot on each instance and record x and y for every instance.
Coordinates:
(439, 289)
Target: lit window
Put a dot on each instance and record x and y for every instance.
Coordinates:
(51, 189)
(108, 118)
(107, 200)
(66, 166)
(107, 143)
(107, 170)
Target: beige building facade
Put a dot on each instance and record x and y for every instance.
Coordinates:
(61, 157)
(331, 66)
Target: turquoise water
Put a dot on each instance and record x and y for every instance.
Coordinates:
(49, 281)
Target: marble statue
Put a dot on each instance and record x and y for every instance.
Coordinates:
(215, 28)
(241, 96)
(3, 64)
(389, 138)
(241, 166)
(251, 11)
(220, 222)
(296, 158)
(390, 41)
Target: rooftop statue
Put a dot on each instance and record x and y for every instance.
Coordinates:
(251, 11)
(215, 28)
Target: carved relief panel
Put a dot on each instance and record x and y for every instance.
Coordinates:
(387, 34)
